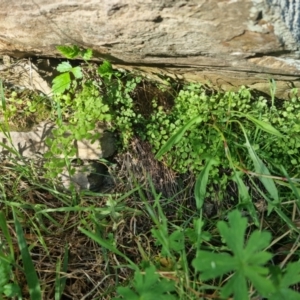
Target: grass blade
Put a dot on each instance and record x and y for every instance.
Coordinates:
(176, 137)
(201, 183)
(292, 186)
(4, 229)
(30, 273)
(245, 199)
(261, 168)
(267, 127)
(107, 246)
(60, 281)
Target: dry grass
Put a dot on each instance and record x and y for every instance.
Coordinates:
(50, 220)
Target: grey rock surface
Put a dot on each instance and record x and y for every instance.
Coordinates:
(90, 175)
(289, 10)
(224, 42)
(31, 143)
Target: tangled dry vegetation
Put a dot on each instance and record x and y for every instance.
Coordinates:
(51, 229)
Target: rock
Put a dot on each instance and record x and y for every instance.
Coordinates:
(29, 144)
(227, 43)
(90, 175)
(24, 74)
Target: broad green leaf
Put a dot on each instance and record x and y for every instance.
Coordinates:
(238, 286)
(259, 258)
(283, 280)
(149, 286)
(177, 137)
(201, 183)
(234, 233)
(64, 67)
(87, 54)
(61, 83)
(262, 284)
(176, 239)
(292, 274)
(105, 69)
(12, 290)
(77, 72)
(30, 273)
(212, 265)
(245, 263)
(69, 51)
(127, 294)
(257, 241)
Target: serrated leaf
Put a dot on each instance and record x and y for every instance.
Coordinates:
(127, 294)
(245, 263)
(64, 67)
(176, 239)
(149, 286)
(77, 72)
(87, 54)
(61, 83)
(292, 274)
(105, 69)
(69, 51)
(257, 241)
(236, 285)
(212, 265)
(262, 284)
(235, 232)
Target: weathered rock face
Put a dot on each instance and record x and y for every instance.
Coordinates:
(225, 42)
(31, 143)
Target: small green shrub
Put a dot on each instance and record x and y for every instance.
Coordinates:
(219, 128)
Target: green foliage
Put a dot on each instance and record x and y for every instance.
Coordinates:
(63, 82)
(74, 51)
(246, 263)
(221, 137)
(8, 286)
(283, 280)
(202, 125)
(118, 96)
(148, 286)
(29, 269)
